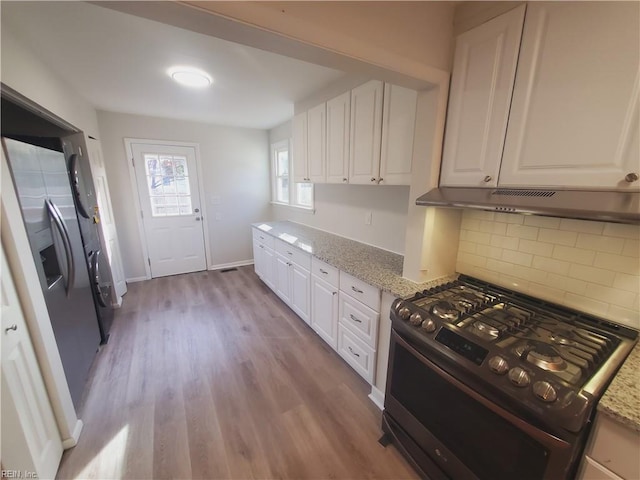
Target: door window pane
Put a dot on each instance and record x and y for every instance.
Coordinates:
(168, 185)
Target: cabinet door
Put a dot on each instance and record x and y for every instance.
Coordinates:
(258, 257)
(316, 143)
(268, 267)
(338, 119)
(398, 125)
(282, 278)
(574, 114)
(366, 133)
(301, 292)
(484, 69)
(324, 312)
(299, 148)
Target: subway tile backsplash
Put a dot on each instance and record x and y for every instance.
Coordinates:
(590, 266)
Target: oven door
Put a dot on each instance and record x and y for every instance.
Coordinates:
(454, 432)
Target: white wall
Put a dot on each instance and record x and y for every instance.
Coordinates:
(593, 267)
(341, 209)
(235, 167)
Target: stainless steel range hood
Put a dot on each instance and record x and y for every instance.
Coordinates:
(619, 207)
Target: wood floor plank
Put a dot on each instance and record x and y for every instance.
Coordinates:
(210, 375)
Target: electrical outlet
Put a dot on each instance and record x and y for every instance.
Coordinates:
(367, 218)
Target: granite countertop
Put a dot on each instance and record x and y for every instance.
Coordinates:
(621, 401)
(375, 266)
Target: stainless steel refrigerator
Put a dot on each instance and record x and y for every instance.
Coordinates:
(42, 184)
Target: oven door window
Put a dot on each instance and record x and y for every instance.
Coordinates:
(486, 443)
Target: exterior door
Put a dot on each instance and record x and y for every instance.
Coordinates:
(30, 437)
(167, 181)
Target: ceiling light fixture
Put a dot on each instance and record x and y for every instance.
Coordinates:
(190, 77)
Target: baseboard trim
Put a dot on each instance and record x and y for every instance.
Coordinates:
(75, 435)
(377, 397)
(241, 263)
(136, 279)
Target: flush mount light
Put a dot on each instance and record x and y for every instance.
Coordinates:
(190, 77)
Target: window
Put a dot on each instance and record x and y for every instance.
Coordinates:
(168, 184)
(285, 190)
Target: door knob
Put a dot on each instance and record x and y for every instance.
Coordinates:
(631, 177)
(13, 327)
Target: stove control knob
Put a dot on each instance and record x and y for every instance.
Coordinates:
(404, 313)
(415, 319)
(429, 325)
(545, 391)
(519, 377)
(498, 365)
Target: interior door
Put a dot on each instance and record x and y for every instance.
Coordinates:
(167, 180)
(108, 232)
(30, 437)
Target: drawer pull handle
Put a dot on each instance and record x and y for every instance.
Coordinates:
(354, 353)
(357, 290)
(289, 263)
(290, 253)
(261, 238)
(355, 319)
(261, 246)
(334, 293)
(324, 272)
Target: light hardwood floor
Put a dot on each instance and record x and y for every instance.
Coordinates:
(210, 375)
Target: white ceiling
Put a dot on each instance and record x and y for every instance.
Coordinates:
(118, 63)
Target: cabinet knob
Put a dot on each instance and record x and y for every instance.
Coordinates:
(487, 179)
(631, 177)
(344, 180)
(373, 179)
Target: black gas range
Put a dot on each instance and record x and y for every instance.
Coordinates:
(484, 382)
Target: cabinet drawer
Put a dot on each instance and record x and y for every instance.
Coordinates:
(592, 470)
(359, 319)
(360, 290)
(326, 272)
(294, 254)
(615, 447)
(261, 237)
(357, 354)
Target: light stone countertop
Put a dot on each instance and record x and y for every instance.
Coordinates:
(621, 401)
(377, 267)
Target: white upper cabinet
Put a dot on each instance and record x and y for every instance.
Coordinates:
(338, 120)
(366, 133)
(299, 148)
(484, 69)
(574, 114)
(316, 143)
(398, 125)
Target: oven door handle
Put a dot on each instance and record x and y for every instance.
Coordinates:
(540, 435)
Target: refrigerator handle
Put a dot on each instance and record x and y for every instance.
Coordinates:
(56, 218)
(95, 277)
(75, 184)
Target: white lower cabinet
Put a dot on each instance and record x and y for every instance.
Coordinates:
(324, 311)
(293, 279)
(301, 292)
(341, 309)
(356, 353)
(611, 452)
